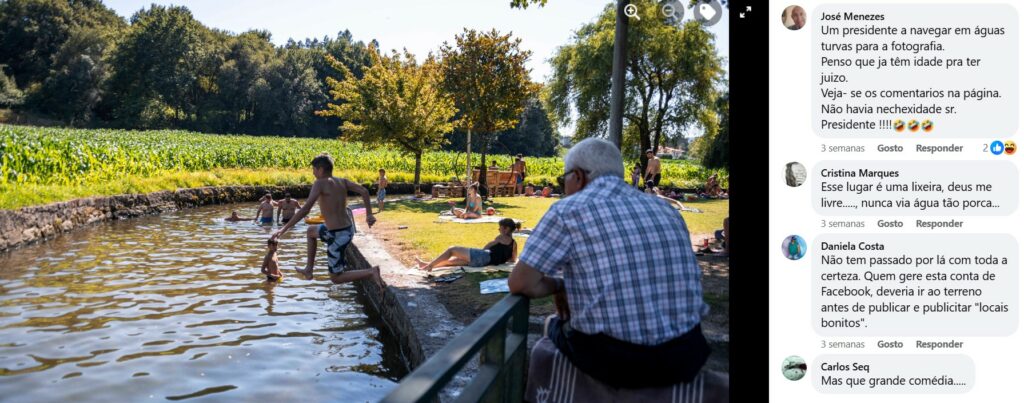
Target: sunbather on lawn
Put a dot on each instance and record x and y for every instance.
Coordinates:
(474, 205)
(499, 251)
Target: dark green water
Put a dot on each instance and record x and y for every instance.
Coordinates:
(173, 307)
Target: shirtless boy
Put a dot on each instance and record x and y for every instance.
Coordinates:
(234, 217)
(286, 208)
(337, 230)
(270, 265)
(653, 168)
(382, 185)
(265, 212)
(519, 172)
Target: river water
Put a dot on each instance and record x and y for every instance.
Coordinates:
(173, 307)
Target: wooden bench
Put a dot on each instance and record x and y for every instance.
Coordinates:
(499, 183)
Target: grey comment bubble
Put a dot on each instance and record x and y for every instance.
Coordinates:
(885, 374)
(915, 285)
(884, 70)
(914, 188)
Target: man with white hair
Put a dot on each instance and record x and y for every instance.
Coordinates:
(630, 305)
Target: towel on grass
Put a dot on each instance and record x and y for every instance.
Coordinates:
(507, 268)
(494, 286)
(482, 220)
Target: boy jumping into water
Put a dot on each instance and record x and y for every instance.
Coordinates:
(337, 230)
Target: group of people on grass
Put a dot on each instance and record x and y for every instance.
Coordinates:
(628, 317)
(652, 179)
(523, 188)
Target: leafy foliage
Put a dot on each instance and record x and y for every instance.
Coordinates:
(672, 77)
(396, 103)
(77, 61)
(486, 74)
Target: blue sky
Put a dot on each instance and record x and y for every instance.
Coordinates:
(420, 26)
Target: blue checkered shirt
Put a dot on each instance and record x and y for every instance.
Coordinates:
(628, 264)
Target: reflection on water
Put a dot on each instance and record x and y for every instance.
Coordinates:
(174, 307)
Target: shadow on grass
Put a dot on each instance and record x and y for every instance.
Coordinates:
(463, 300)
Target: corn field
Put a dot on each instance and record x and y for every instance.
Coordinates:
(58, 156)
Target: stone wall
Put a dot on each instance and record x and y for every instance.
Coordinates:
(390, 309)
(30, 224)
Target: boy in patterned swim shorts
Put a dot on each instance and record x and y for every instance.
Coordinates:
(338, 228)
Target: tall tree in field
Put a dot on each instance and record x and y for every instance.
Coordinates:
(486, 74)
(293, 93)
(712, 149)
(396, 103)
(74, 87)
(163, 63)
(241, 79)
(672, 78)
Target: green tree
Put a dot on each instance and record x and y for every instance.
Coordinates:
(74, 86)
(56, 51)
(672, 74)
(10, 95)
(163, 67)
(486, 74)
(526, 3)
(292, 94)
(396, 103)
(533, 136)
(713, 149)
(353, 54)
(241, 82)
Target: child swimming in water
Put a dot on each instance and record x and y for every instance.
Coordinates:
(234, 217)
(270, 267)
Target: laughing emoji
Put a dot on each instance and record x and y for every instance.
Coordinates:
(898, 125)
(926, 125)
(912, 125)
(1009, 147)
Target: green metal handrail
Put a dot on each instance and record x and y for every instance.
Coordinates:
(502, 359)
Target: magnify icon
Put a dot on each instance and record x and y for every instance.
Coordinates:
(631, 12)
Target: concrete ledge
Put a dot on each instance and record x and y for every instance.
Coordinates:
(410, 306)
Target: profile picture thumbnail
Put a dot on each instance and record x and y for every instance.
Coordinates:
(794, 247)
(794, 368)
(796, 174)
(794, 17)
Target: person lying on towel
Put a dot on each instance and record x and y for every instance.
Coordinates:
(502, 249)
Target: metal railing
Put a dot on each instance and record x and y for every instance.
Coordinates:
(500, 377)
